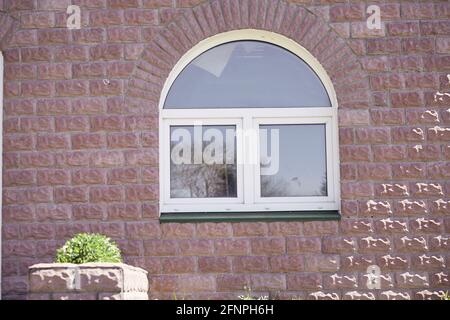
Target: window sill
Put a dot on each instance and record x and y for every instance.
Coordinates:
(272, 216)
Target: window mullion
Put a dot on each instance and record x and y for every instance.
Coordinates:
(249, 136)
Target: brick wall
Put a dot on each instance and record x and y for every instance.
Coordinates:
(81, 146)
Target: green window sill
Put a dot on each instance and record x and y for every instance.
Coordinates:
(185, 217)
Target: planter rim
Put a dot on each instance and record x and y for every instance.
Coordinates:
(89, 265)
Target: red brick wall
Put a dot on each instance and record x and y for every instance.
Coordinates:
(80, 153)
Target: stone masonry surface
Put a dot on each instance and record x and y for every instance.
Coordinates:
(89, 281)
(80, 147)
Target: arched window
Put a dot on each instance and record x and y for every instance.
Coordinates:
(248, 125)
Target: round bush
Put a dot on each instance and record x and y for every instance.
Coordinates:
(88, 247)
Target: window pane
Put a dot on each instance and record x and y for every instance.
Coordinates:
(203, 162)
(293, 160)
(247, 74)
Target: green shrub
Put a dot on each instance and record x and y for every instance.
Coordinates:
(88, 247)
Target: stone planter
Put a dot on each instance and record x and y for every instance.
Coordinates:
(89, 281)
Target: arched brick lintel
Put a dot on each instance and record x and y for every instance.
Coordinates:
(217, 16)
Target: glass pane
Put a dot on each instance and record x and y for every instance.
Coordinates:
(203, 162)
(247, 74)
(293, 160)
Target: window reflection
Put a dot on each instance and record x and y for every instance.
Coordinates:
(203, 162)
(247, 74)
(301, 168)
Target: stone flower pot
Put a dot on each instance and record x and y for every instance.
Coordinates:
(88, 281)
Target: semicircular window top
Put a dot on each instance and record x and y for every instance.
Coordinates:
(248, 132)
(247, 74)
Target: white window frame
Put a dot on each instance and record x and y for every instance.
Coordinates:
(326, 121)
(249, 199)
(237, 122)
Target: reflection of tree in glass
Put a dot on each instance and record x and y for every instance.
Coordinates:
(203, 181)
(323, 187)
(273, 186)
